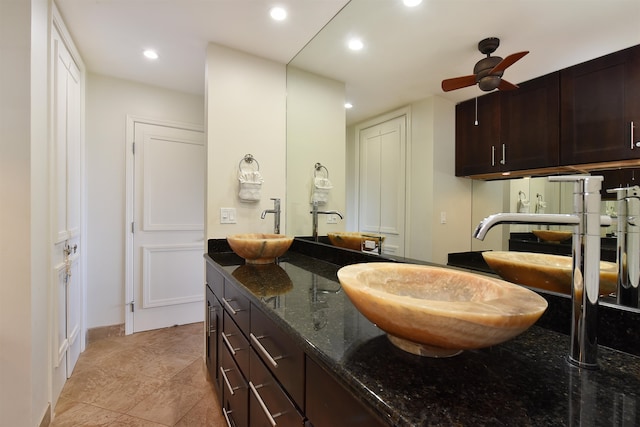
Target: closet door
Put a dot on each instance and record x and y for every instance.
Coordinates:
(382, 182)
(66, 211)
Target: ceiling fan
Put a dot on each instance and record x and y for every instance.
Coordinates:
(487, 72)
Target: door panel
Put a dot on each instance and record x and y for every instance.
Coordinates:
(168, 239)
(382, 182)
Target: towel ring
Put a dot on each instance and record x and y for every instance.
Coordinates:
(318, 167)
(248, 159)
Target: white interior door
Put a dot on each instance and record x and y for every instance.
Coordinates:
(382, 182)
(66, 211)
(168, 228)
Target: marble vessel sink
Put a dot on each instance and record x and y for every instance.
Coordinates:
(353, 239)
(555, 236)
(545, 271)
(258, 248)
(438, 312)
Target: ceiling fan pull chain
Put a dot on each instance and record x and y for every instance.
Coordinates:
(476, 122)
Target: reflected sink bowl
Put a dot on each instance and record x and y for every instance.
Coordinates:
(353, 239)
(438, 312)
(264, 280)
(554, 236)
(545, 271)
(257, 248)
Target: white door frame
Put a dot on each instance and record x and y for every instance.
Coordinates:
(129, 204)
(406, 112)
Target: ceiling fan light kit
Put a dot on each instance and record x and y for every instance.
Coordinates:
(487, 73)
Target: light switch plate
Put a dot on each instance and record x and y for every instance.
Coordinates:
(332, 219)
(227, 215)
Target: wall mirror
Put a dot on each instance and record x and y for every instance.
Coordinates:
(316, 123)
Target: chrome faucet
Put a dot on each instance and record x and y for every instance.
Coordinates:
(315, 212)
(628, 244)
(276, 215)
(587, 221)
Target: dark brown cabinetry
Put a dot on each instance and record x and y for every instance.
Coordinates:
(509, 131)
(478, 149)
(330, 405)
(618, 178)
(587, 114)
(600, 107)
(529, 123)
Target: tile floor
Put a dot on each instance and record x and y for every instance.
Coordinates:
(149, 379)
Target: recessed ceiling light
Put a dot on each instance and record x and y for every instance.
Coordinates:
(411, 3)
(348, 105)
(278, 13)
(150, 53)
(356, 44)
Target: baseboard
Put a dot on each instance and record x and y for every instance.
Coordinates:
(96, 334)
(46, 418)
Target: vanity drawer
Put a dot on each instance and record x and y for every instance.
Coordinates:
(236, 343)
(215, 280)
(237, 305)
(279, 353)
(269, 405)
(235, 391)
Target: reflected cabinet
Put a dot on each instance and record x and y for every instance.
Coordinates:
(586, 114)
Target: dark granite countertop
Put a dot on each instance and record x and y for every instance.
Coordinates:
(524, 382)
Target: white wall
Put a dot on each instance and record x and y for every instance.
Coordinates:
(316, 123)
(109, 101)
(24, 229)
(246, 114)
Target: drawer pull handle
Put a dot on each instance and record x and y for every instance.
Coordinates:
(233, 311)
(228, 343)
(254, 390)
(226, 416)
(271, 359)
(226, 380)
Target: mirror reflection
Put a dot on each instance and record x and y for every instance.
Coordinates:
(392, 175)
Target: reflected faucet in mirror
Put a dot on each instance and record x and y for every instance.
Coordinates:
(315, 212)
(276, 215)
(628, 244)
(585, 288)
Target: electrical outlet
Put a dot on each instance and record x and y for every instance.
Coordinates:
(227, 215)
(332, 219)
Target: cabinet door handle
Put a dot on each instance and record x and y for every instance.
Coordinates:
(271, 359)
(228, 343)
(493, 155)
(210, 328)
(504, 155)
(226, 380)
(233, 311)
(262, 404)
(633, 142)
(226, 417)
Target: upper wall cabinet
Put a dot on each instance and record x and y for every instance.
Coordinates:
(509, 131)
(600, 107)
(478, 147)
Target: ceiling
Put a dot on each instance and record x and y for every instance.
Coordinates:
(407, 53)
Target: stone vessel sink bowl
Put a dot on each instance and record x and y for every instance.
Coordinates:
(257, 248)
(554, 236)
(545, 271)
(438, 312)
(353, 239)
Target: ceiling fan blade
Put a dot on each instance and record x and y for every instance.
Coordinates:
(508, 61)
(505, 85)
(458, 82)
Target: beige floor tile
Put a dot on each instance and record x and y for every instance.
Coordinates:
(149, 379)
(168, 404)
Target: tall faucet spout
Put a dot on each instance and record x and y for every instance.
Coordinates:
(523, 218)
(585, 291)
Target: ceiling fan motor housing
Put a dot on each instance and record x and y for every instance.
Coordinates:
(487, 82)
